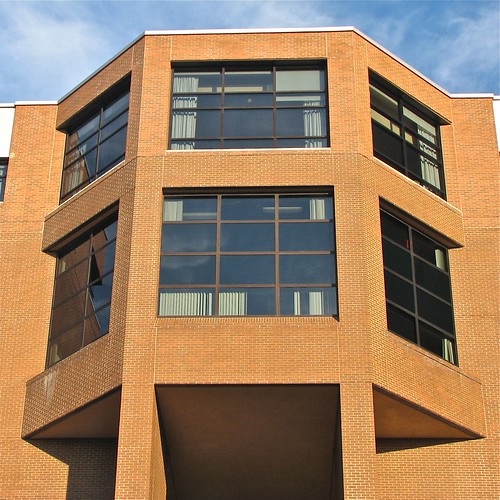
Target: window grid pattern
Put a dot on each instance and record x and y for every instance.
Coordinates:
(418, 288)
(270, 107)
(3, 177)
(236, 255)
(82, 293)
(95, 146)
(406, 138)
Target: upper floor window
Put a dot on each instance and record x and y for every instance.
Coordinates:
(3, 176)
(82, 292)
(418, 288)
(235, 107)
(248, 255)
(95, 145)
(406, 136)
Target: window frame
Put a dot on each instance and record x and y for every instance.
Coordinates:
(401, 122)
(276, 285)
(4, 165)
(79, 151)
(272, 140)
(419, 290)
(83, 236)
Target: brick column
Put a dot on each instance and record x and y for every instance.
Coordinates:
(358, 441)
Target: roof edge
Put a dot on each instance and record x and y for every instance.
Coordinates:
(223, 31)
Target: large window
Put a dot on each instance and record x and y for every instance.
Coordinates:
(95, 145)
(406, 136)
(248, 255)
(82, 292)
(235, 107)
(3, 176)
(417, 287)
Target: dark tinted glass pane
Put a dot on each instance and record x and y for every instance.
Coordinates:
(201, 144)
(207, 124)
(207, 82)
(413, 162)
(247, 302)
(70, 282)
(300, 100)
(82, 149)
(432, 279)
(78, 174)
(301, 122)
(305, 207)
(182, 302)
(83, 132)
(306, 236)
(187, 270)
(399, 291)
(384, 103)
(248, 100)
(395, 230)
(96, 325)
(401, 323)
(430, 251)
(302, 143)
(247, 269)
(308, 301)
(110, 129)
(68, 313)
(188, 237)
(100, 293)
(387, 146)
(248, 143)
(197, 101)
(305, 269)
(397, 259)
(110, 231)
(247, 208)
(101, 239)
(113, 110)
(76, 255)
(199, 208)
(248, 81)
(64, 345)
(247, 237)
(248, 123)
(435, 311)
(431, 339)
(102, 262)
(195, 124)
(112, 150)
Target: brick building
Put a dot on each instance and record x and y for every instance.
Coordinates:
(250, 265)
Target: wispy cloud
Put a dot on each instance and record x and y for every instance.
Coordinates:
(45, 50)
(48, 47)
(470, 53)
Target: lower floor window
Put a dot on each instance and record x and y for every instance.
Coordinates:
(82, 292)
(248, 255)
(418, 288)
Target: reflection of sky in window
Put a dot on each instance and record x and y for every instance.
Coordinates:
(189, 237)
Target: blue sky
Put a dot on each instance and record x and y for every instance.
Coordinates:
(47, 48)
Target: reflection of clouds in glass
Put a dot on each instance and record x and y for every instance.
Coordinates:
(189, 237)
(191, 261)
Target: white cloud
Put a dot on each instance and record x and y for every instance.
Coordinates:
(471, 54)
(47, 52)
(275, 14)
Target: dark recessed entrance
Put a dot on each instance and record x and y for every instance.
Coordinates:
(251, 441)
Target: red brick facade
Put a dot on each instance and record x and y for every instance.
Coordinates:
(411, 424)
